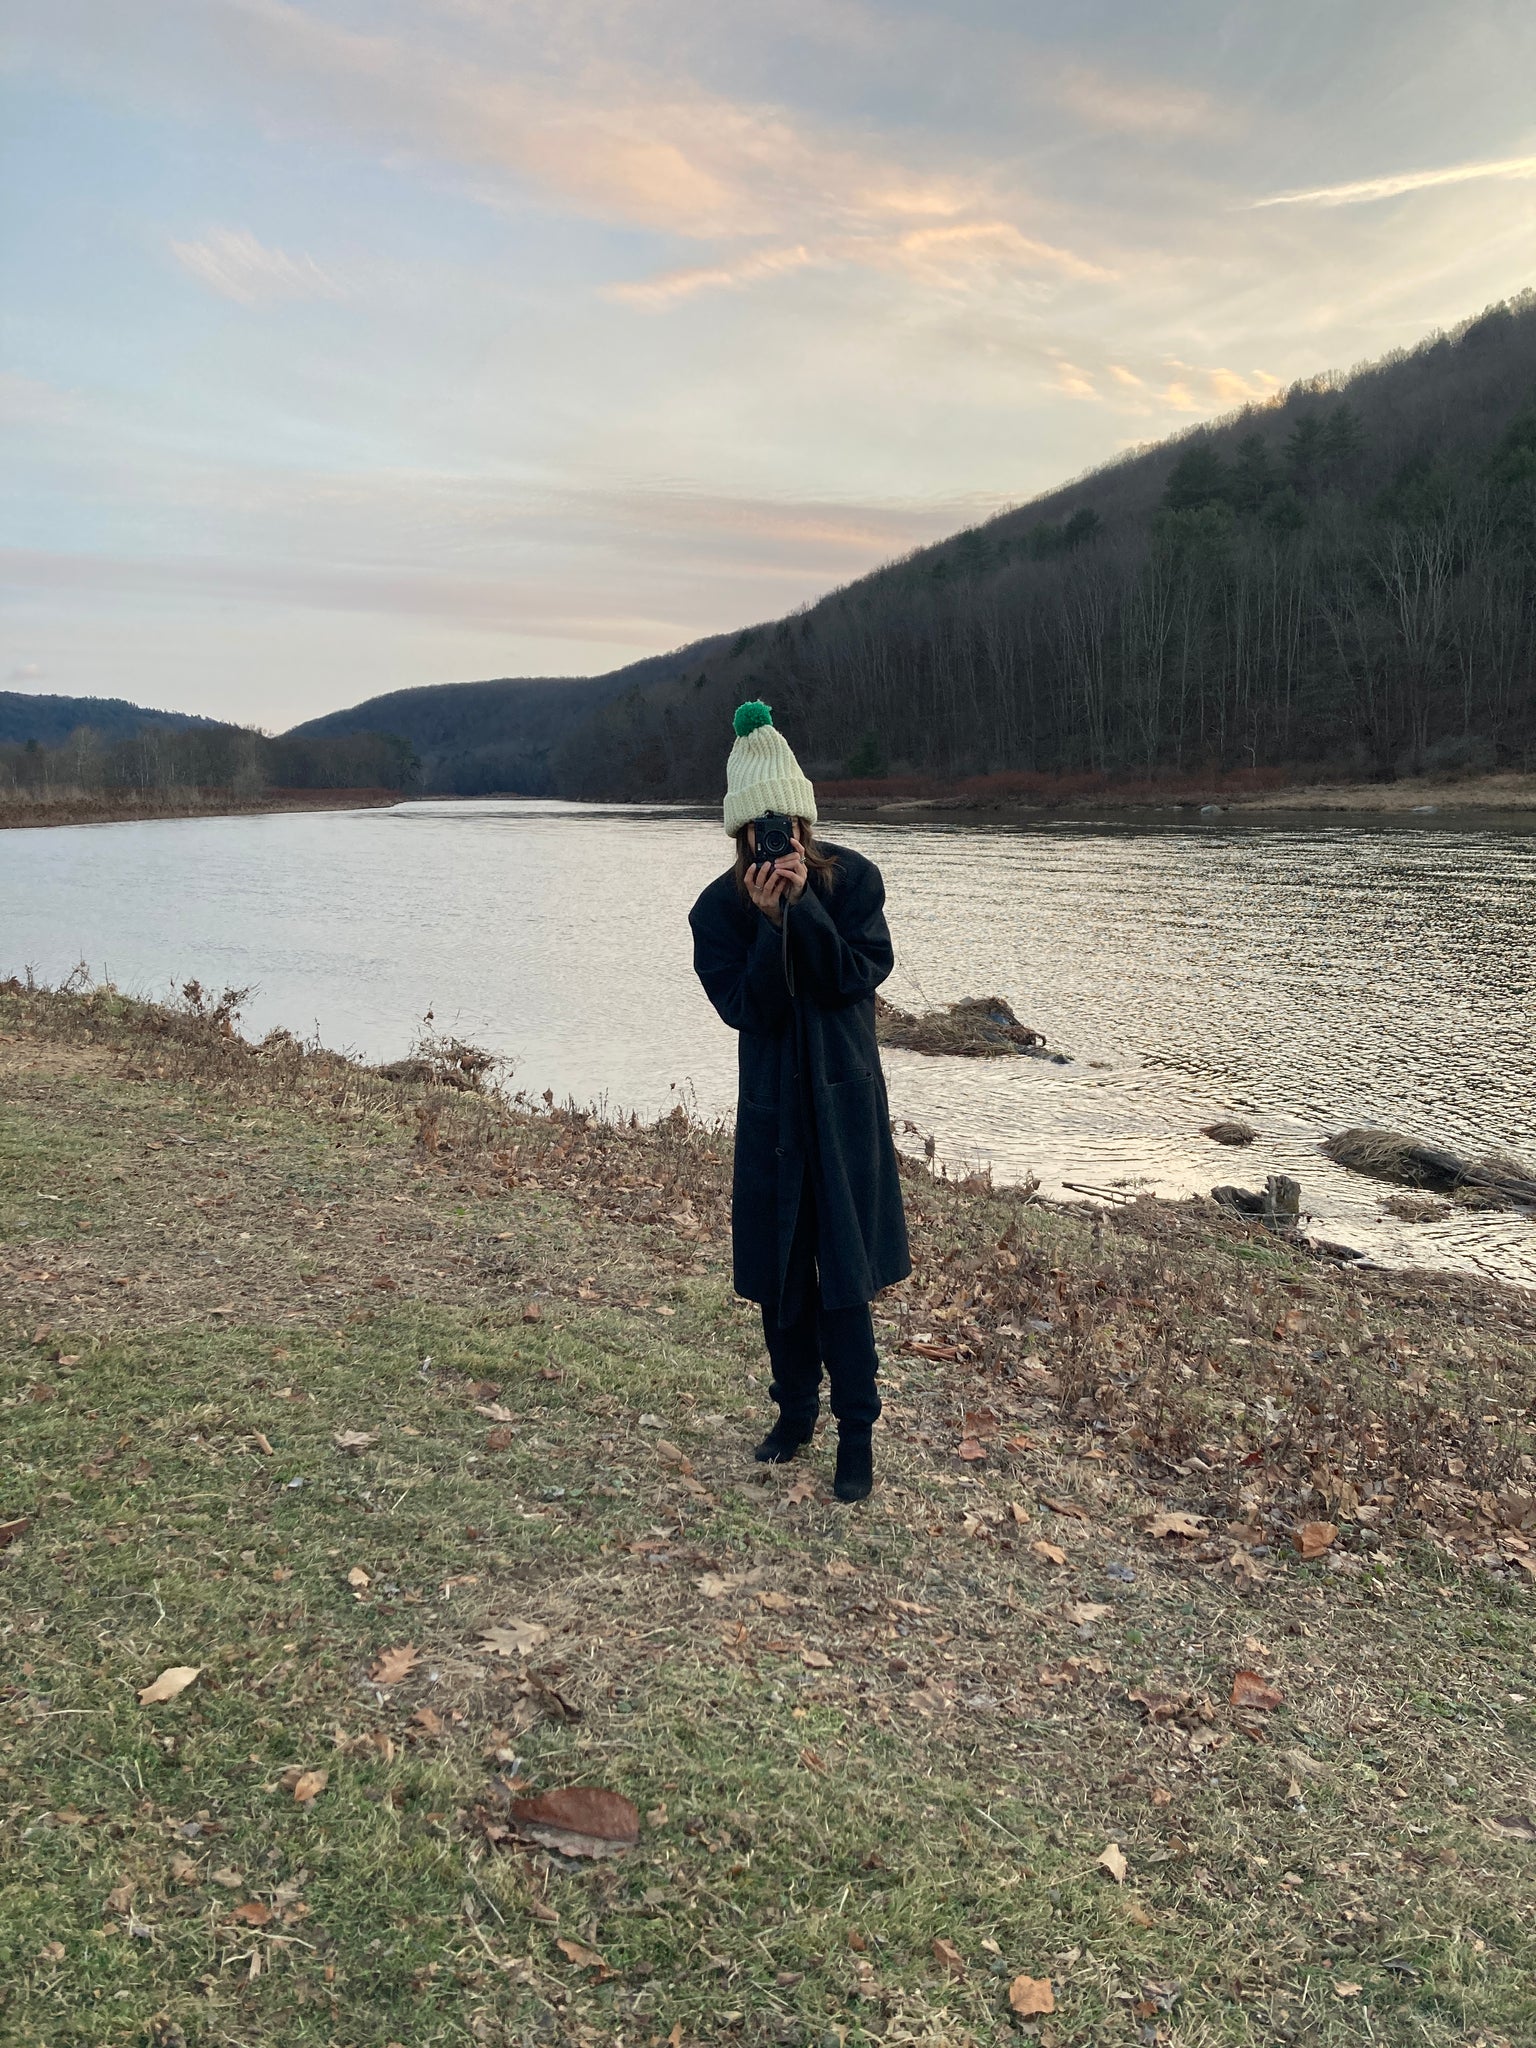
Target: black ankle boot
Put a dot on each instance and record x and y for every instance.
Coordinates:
(783, 1442)
(855, 1474)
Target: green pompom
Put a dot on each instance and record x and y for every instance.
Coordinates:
(750, 716)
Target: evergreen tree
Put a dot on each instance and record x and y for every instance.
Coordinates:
(1253, 474)
(1199, 477)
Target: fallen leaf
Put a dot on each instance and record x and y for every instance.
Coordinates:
(252, 1912)
(1084, 1613)
(513, 1638)
(1113, 1860)
(804, 1489)
(358, 1577)
(261, 1443)
(574, 1952)
(1018, 1511)
(429, 1721)
(1159, 1706)
(1175, 1524)
(119, 1899)
(945, 1953)
(1346, 1990)
(498, 1440)
(669, 1454)
(17, 1526)
(840, 1568)
(170, 1682)
(1514, 1827)
(1028, 1995)
(354, 1440)
(1050, 1551)
(1064, 1507)
(970, 1448)
(715, 1585)
(183, 1869)
(390, 1666)
(1137, 1914)
(309, 1785)
(493, 1411)
(578, 1820)
(818, 1660)
(776, 1603)
(1313, 1538)
(533, 1313)
(229, 1878)
(1251, 1691)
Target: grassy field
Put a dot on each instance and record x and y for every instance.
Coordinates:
(418, 1424)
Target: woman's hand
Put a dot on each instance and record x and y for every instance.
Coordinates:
(783, 881)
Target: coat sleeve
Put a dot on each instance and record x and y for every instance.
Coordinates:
(842, 953)
(743, 975)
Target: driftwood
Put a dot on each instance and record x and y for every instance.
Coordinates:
(1387, 1155)
(980, 1027)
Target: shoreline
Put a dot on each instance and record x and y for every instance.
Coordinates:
(1504, 795)
(189, 804)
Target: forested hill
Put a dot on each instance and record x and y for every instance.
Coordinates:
(50, 720)
(474, 738)
(1343, 580)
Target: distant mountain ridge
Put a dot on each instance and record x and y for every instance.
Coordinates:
(49, 719)
(473, 739)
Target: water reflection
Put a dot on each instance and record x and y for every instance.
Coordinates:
(1302, 978)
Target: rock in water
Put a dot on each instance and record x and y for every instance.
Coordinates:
(1409, 1163)
(1229, 1131)
(1277, 1204)
(979, 1027)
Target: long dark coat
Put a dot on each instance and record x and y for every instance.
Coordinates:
(812, 1095)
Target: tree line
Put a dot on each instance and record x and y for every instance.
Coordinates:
(1345, 579)
(158, 758)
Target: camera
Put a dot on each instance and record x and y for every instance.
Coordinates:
(774, 836)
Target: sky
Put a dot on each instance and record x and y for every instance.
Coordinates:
(347, 345)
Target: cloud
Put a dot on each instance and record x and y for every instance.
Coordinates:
(1233, 388)
(588, 134)
(27, 672)
(732, 276)
(1364, 190)
(28, 401)
(958, 253)
(1072, 381)
(231, 262)
(1148, 107)
(995, 243)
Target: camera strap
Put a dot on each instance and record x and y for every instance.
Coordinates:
(789, 966)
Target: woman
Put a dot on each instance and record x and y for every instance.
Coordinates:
(790, 952)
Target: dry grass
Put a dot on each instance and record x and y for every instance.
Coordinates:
(852, 1735)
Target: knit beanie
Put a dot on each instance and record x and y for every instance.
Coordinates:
(762, 774)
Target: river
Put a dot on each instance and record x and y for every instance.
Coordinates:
(1300, 974)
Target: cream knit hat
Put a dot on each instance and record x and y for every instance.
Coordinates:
(762, 774)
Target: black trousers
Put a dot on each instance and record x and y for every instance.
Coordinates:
(808, 1336)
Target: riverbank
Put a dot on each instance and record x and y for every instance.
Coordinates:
(1176, 1677)
(999, 798)
(76, 807)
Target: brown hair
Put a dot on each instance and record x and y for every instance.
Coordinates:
(820, 866)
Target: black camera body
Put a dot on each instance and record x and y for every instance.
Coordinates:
(774, 836)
